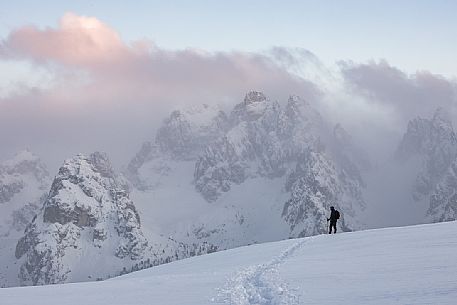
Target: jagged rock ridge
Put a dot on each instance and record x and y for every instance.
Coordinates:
(258, 139)
(87, 227)
(434, 141)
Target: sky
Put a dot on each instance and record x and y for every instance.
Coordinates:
(412, 35)
(78, 76)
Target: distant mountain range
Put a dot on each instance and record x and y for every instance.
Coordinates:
(209, 180)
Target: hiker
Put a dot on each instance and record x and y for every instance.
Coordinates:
(334, 216)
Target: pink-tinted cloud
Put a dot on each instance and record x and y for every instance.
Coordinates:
(107, 91)
(78, 40)
(114, 69)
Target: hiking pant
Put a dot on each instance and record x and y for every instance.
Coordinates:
(332, 224)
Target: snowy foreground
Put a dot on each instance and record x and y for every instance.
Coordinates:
(409, 265)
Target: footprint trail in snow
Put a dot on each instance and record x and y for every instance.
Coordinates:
(260, 284)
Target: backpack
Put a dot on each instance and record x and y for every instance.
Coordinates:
(337, 214)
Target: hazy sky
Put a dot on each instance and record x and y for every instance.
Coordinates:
(79, 76)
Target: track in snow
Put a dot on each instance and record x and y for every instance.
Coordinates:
(260, 284)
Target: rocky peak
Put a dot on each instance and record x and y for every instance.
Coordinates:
(441, 119)
(315, 185)
(435, 143)
(94, 177)
(302, 114)
(87, 209)
(175, 135)
(101, 164)
(262, 145)
(426, 136)
(254, 97)
(254, 105)
(183, 133)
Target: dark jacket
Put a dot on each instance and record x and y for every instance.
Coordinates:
(333, 216)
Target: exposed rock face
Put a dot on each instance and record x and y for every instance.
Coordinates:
(184, 133)
(88, 227)
(182, 136)
(259, 139)
(315, 185)
(87, 220)
(443, 201)
(263, 140)
(434, 141)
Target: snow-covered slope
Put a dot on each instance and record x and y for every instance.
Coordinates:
(408, 265)
(211, 181)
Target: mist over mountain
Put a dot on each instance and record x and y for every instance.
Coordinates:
(124, 155)
(212, 179)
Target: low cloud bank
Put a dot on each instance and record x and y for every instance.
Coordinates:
(102, 93)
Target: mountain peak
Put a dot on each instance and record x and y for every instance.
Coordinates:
(87, 209)
(254, 97)
(102, 164)
(441, 118)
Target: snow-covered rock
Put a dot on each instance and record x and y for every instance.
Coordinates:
(182, 136)
(271, 142)
(24, 182)
(261, 146)
(263, 140)
(315, 185)
(434, 142)
(87, 228)
(443, 201)
(208, 181)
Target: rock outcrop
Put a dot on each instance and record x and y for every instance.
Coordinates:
(88, 227)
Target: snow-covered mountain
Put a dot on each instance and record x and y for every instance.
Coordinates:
(433, 145)
(407, 265)
(209, 180)
(88, 227)
(264, 171)
(24, 182)
(443, 201)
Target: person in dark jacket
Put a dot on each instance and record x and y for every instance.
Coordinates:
(334, 216)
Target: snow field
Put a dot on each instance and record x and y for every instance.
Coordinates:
(408, 265)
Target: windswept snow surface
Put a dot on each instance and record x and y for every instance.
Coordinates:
(409, 265)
